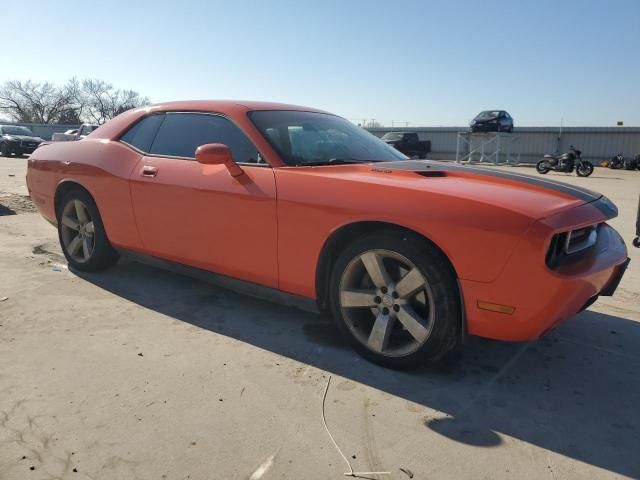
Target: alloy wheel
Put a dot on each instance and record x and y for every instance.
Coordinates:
(78, 231)
(386, 303)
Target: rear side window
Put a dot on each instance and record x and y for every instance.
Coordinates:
(141, 135)
(182, 133)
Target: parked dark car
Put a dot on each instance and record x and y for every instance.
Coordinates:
(17, 140)
(408, 143)
(492, 121)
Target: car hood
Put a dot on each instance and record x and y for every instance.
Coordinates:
(484, 119)
(25, 138)
(528, 195)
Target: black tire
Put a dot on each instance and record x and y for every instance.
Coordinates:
(585, 169)
(636, 242)
(103, 255)
(441, 280)
(541, 167)
(4, 151)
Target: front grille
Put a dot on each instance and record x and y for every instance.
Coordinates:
(567, 245)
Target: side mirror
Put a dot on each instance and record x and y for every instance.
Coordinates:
(218, 154)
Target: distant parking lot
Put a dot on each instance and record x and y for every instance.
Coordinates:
(141, 373)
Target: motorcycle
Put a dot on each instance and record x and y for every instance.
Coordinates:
(616, 162)
(631, 163)
(566, 163)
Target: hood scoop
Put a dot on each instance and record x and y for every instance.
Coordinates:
(431, 173)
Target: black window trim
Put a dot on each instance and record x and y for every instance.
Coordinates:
(177, 157)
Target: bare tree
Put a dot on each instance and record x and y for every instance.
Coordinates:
(76, 101)
(100, 101)
(34, 102)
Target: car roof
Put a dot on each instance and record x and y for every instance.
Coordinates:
(232, 108)
(226, 105)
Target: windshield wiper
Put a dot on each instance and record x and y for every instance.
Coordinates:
(332, 161)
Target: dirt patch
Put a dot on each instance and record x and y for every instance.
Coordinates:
(13, 203)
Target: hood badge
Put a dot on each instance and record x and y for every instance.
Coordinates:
(381, 170)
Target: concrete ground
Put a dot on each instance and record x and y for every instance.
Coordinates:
(137, 373)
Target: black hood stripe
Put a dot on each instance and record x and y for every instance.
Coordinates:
(580, 193)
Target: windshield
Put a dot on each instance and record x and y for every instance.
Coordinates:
(309, 138)
(17, 131)
(489, 114)
(392, 136)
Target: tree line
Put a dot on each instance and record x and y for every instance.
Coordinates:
(75, 102)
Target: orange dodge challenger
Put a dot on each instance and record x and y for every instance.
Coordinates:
(301, 205)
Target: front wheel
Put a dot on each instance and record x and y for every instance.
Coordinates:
(4, 150)
(542, 167)
(396, 299)
(584, 169)
(82, 236)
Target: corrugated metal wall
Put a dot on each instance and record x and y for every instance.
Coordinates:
(529, 144)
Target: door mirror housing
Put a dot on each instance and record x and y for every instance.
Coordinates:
(218, 154)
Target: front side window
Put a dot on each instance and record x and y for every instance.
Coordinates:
(310, 138)
(182, 133)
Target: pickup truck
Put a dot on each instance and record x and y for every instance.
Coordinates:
(75, 134)
(408, 143)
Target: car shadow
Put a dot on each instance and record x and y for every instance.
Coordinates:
(4, 210)
(575, 392)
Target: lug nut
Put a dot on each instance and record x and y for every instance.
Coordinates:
(395, 295)
(396, 308)
(377, 299)
(385, 311)
(384, 290)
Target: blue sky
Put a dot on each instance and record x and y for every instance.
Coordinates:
(423, 62)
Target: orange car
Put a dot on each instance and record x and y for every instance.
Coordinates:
(303, 206)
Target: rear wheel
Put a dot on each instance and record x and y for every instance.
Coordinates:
(396, 299)
(81, 232)
(542, 167)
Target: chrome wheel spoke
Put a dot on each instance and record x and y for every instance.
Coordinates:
(69, 222)
(80, 212)
(410, 284)
(74, 245)
(89, 227)
(379, 337)
(413, 323)
(86, 248)
(375, 268)
(358, 298)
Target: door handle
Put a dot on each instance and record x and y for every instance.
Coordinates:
(149, 171)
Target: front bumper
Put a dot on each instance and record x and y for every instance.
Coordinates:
(543, 298)
(485, 127)
(21, 149)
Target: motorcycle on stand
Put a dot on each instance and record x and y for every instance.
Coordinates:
(616, 162)
(631, 163)
(566, 163)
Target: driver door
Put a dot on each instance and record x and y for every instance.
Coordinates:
(199, 215)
